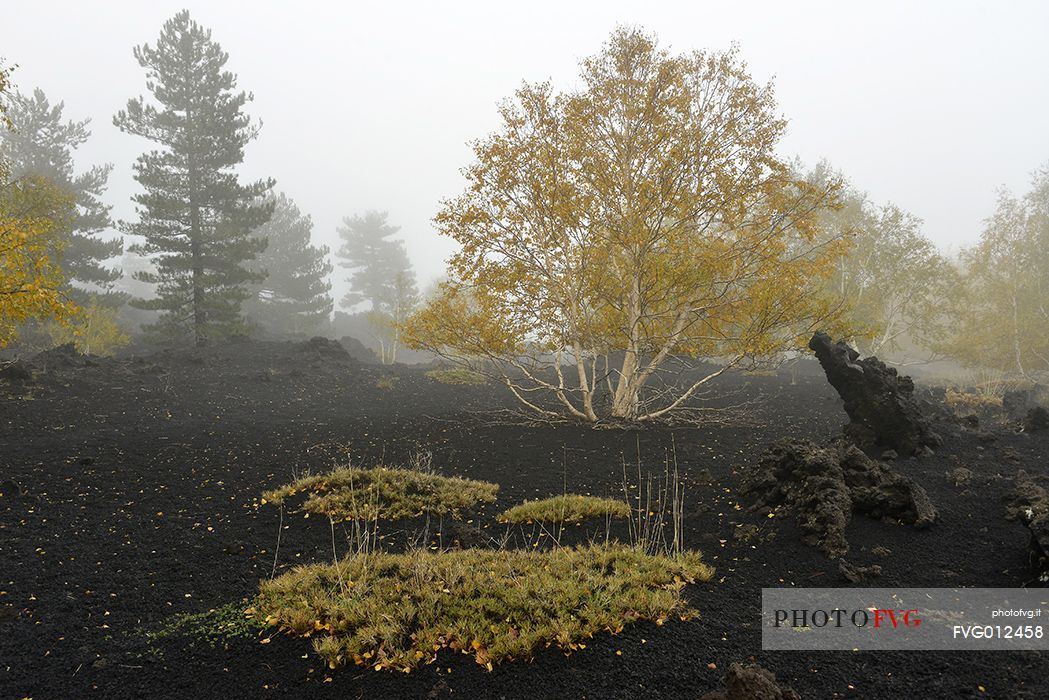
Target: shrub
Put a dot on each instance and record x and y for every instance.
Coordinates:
(381, 493)
(566, 508)
(457, 376)
(395, 611)
(94, 331)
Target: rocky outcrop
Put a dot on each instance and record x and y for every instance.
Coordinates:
(16, 373)
(1029, 504)
(824, 486)
(359, 351)
(324, 349)
(751, 682)
(883, 412)
(1036, 419)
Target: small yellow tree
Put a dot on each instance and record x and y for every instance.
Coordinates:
(95, 331)
(1002, 307)
(32, 211)
(894, 281)
(641, 218)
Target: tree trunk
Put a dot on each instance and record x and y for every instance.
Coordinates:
(626, 401)
(198, 274)
(627, 398)
(196, 248)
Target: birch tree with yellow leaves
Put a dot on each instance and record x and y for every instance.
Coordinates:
(1001, 309)
(32, 211)
(609, 231)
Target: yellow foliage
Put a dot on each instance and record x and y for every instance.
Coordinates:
(94, 331)
(646, 213)
(32, 212)
(1001, 309)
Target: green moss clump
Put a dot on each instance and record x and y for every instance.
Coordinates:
(569, 507)
(381, 493)
(396, 611)
(216, 627)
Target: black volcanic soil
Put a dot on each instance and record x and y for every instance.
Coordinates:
(140, 476)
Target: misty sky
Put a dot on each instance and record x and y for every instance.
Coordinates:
(932, 106)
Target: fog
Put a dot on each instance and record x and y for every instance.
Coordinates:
(680, 361)
(930, 106)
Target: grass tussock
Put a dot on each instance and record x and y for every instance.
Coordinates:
(458, 376)
(958, 399)
(387, 382)
(381, 493)
(396, 611)
(569, 507)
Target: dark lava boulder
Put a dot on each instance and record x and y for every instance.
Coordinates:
(60, 357)
(751, 682)
(1029, 503)
(16, 373)
(319, 348)
(824, 486)
(1037, 419)
(858, 574)
(882, 409)
(359, 351)
(1025, 409)
(1015, 403)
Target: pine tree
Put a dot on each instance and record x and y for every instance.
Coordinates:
(41, 144)
(373, 259)
(196, 217)
(295, 298)
(381, 276)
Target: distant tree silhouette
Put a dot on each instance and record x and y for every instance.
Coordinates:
(295, 297)
(381, 276)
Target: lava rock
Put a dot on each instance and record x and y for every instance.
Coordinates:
(10, 489)
(959, 476)
(751, 682)
(1037, 418)
(234, 548)
(857, 574)
(1029, 503)
(323, 348)
(359, 351)
(824, 486)
(879, 491)
(882, 409)
(985, 438)
(466, 536)
(61, 357)
(1015, 403)
(16, 373)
